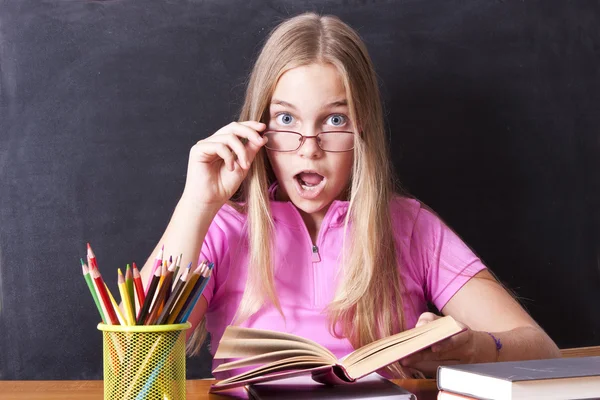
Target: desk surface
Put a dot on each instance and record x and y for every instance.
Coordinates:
(425, 389)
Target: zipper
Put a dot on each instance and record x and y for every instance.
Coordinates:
(315, 255)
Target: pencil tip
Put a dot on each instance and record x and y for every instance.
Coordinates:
(82, 263)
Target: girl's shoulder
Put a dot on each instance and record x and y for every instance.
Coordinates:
(411, 217)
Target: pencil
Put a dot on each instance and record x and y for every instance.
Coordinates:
(176, 273)
(190, 308)
(139, 288)
(90, 284)
(124, 291)
(157, 263)
(164, 315)
(130, 290)
(120, 316)
(91, 258)
(149, 295)
(195, 294)
(101, 288)
(160, 298)
(189, 285)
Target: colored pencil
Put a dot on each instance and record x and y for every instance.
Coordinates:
(90, 284)
(194, 294)
(157, 263)
(91, 258)
(123, 290)
(130, 290)
(189, 285)
(120, 316)
(139, 288)
(190, 308)
(160, 298)
(110, 314)
(176, 273)
(149, 296)
(164, 315)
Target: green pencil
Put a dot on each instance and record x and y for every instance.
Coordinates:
(88, 280)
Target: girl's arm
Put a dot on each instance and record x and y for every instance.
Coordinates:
(492, 316)
(216, 168)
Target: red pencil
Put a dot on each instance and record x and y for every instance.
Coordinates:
(112, 316)
(139, 288)
(91, 258)
(157, 264)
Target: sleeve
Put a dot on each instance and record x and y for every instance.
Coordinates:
(447, 262)
(213, 249)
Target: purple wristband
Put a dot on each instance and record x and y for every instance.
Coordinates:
(498, 345)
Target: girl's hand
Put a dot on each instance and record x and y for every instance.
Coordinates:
(458, 349)
(218, 164)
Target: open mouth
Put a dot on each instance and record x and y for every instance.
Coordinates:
(309, 184)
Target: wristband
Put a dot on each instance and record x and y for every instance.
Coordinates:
(498, 345)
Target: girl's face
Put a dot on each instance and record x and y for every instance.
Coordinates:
(309, 100)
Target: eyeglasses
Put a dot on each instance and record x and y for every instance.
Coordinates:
(332, 141)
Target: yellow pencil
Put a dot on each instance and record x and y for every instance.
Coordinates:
(125, 298)
(116, 307)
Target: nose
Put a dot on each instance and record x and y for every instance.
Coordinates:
(310, 146)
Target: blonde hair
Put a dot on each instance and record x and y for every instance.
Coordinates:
(368, 302)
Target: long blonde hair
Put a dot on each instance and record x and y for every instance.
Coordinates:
(368, 302)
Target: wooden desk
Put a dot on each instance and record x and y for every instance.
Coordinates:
(425, 389)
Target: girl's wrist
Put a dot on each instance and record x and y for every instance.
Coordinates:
(193, 208)
(489, 347)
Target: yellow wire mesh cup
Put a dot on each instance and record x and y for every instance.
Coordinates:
(144, 362)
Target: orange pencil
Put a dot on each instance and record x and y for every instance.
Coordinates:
(110, 311)
(160, 297)
(139, 288)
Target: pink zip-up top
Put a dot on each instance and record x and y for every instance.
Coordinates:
(434, 264)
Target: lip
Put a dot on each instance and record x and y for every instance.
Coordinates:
(309, 194)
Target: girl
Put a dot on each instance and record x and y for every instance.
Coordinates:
(296, 208)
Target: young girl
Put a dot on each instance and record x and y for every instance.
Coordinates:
(296, 208)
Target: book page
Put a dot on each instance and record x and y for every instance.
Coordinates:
(268, 358)
(239, 348)
(294, 363)
(401, 349)
(247, 335)
(380, 344)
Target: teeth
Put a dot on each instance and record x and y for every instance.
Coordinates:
(309, 188)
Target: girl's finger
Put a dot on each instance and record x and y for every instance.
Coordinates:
(236, 146)
(246, 130)
(222, 150)
(425, 318)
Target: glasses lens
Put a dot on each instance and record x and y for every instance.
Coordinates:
(336, 141)
(283, 141)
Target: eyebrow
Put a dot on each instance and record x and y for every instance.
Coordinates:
(338, 103)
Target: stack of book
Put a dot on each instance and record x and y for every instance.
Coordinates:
(559, 378)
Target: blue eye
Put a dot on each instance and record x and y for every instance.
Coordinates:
(337, 120)
(284, 119)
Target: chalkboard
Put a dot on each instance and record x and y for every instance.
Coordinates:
(492, 109)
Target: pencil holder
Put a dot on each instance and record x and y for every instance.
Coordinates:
(144, 362)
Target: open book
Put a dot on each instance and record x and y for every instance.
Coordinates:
(279, 355)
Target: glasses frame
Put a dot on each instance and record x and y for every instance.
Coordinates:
(304, 140)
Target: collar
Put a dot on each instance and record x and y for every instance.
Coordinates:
(287, 213)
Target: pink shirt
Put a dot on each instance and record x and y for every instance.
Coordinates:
(434, 265)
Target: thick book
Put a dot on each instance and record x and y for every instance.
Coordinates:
(372, 386)
(276, 355)
(558, 378)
